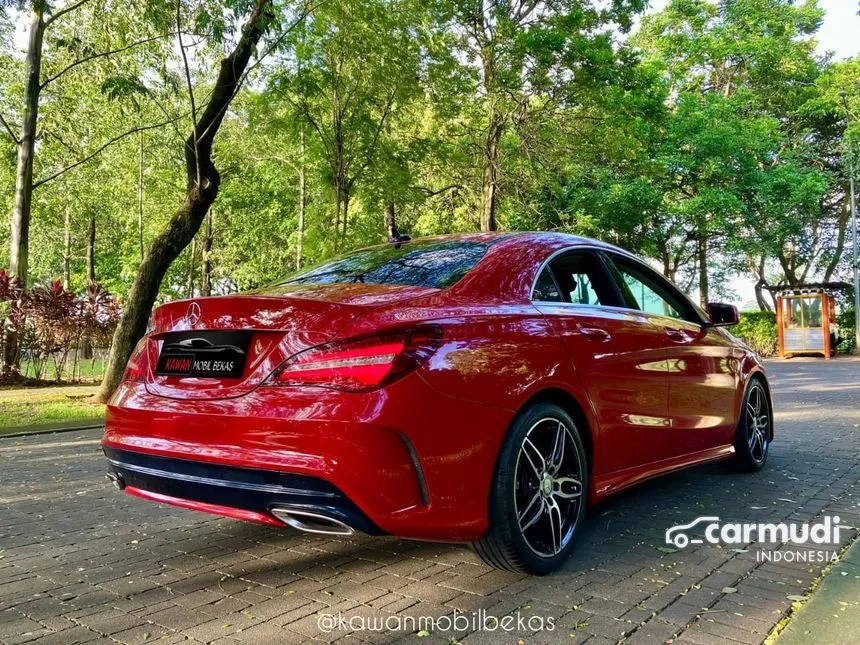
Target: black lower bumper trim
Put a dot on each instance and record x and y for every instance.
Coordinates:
(243, 488)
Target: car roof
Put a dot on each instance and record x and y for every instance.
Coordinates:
(494, 277)
(513, 259)
(516, 238)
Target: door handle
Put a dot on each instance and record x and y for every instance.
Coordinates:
(595, 334)
(677, 335)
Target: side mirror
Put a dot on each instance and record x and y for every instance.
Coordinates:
(722, 314)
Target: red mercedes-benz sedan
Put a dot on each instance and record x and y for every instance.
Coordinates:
(475, 388)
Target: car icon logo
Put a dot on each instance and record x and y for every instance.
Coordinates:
(193, 315)
(677, 537)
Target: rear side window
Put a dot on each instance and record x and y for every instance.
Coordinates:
(577, 278)
(546, 289)
(434, 264)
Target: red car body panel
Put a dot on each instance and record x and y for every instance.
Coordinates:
(417, 456)
(215, 509)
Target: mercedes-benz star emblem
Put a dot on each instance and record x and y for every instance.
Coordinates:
(193, 313)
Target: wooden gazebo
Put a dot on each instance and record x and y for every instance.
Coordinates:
(806, 318)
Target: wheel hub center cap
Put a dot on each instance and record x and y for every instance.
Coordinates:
(546, 485)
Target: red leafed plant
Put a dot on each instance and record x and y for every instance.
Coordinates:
(10, 287)
(52, 323)
(13, 305)
(55, 315)
(100, 313)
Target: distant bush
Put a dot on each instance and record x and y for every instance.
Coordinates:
(845, 323)
(758, 330)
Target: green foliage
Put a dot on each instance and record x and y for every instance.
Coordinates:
(845, 322)
(714, 122)
(758, 330)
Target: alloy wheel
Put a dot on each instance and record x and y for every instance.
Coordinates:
(548, 487)
(758, 422)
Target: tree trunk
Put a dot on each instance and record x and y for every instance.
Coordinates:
(345, 201)
(788, 268)
(140, 196)
(338, 164)
(206, 269)
(669, 268)
(67, 249)
(702, 245)
(390, 221)
(20, 226)
(303, 201)
(91, 250)
(759, 296)
(20, 235)
(761, 283)
(86, 344)
(489, 179)
(842, 227)
(203, 180)
(192, 252)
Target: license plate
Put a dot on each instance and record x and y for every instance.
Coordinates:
(212, 354)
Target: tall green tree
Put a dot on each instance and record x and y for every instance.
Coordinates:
(356, 66)
(61, 40)
(201, 174)
(532, 57)
(735, 70)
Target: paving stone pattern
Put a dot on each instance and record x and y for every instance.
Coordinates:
(81, 562)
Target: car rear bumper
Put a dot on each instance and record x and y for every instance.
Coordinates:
(244, 493)
(406, 460)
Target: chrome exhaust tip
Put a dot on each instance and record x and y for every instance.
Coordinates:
(116, 480)
(311, 522)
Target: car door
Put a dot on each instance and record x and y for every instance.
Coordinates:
(703, 361)
(617, 352)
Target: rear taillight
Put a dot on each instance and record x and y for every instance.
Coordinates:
(360, 364)
(135, 369)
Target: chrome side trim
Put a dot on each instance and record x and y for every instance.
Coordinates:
(609, 251)
(211, 481)
(311, 522)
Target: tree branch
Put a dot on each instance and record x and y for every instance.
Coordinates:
(429, 192)
(54, 135)
(372, 149)
(86, 59)
(9, 130)
(62, 12)
(98, 150)
(282, 160)
(260, 58)
(190, 87)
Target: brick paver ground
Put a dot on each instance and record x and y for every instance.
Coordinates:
(81, 562)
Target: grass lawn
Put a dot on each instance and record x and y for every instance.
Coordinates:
(35, 406)
(85, 371)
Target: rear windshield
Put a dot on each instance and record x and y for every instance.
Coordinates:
(435, 264)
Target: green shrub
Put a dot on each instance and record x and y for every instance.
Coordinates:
(758, 330)
(845, 323)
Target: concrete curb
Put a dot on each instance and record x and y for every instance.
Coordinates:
(52, 428)
(832, 612)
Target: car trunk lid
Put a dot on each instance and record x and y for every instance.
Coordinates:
(260, 330)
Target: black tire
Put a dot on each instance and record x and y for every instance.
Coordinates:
(755, 428)
(559, 490)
